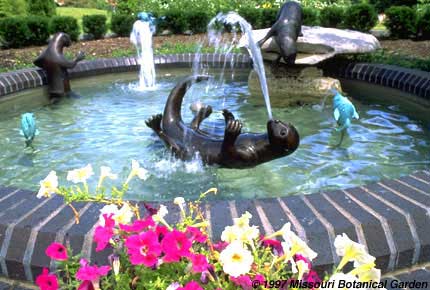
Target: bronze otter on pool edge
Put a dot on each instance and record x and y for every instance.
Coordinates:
(53, 61)
(234, 150)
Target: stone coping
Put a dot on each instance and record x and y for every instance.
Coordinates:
(390, 217)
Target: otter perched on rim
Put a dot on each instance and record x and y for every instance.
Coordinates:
(235, 150)
(53, 61)
(286, 30)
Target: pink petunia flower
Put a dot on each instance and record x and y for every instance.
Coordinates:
(243, 281)
(193, 285)
(298, 257)
(194, 234)
(91, 273)
(312, 276)
(143, 248)
(200, 263)
(175, 245)
(220, 246)
(138, 225)
(47, 281)
(161, 231)
(102, 235)
(86, 285)
(57, 251)
(274, 244)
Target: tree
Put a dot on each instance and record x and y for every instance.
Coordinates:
(12, 8)
(41, 7)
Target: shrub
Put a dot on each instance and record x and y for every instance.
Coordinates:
(95, 25)
(175, 21)
(39, 27)
(197, 20)
(424, 23)
(66, 24)
(268, 17)
(9, 8)
(361, 17)
(401, 21)
(122, 24)
(14, 31)
(41, 7)
(251, 15)
(311, 16)
(332, 16)
(382, 5)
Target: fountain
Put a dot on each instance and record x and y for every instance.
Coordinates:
(141, 37)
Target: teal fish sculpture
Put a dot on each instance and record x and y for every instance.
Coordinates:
(343, 112)
(149, 17)
(28, 128)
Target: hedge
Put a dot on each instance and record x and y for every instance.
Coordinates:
(42, 7)
(95, 25)
(332, 16)
(39, 27)
(311, 16)
(66, 24)
(14, 31)
(401, 21)
(424, 24)
(361, 17)
(122, 24)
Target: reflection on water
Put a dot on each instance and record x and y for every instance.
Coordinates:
(107, 127)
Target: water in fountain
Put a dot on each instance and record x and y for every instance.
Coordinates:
(141, 37)
(215, 37)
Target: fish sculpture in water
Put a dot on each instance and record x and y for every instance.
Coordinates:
(28, 128)
(149, 17)
(343, 112)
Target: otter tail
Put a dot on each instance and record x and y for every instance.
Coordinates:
(172, 111)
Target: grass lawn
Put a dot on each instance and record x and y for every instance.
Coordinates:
(79, 12)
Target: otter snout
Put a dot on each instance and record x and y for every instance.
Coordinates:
(283, 137)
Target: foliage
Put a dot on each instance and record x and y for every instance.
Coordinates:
(41, 7)
(66, 24)
(175, 21)
(39, 27)
(361, 17)
(122, 24)
(95, 25)
(268, 17)
(311, 16)
(424, 23)
(96, 4)
(79, 13)
(382, 5)
(332, 16)
(252, 15)
(15, 31)
(149, 253)
(197, 20)
(401, 21)
(9, 8)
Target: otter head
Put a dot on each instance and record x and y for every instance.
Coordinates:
(288, 48)
(283, 138)
(63, 39)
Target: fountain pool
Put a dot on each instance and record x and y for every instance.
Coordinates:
(107, 127)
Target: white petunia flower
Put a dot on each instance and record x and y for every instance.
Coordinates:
(106, 171)
(49, 185)
(81, 174)
(138, 171)
(236, 260)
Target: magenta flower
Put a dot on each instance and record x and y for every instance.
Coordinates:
(312, 276)
(47, 281)
(194, 234)
(161, 231)
(57, 251)
(138, 225)
(200, 262)
(243, 281)
(102, 235)
(220, 246)
(298, 257)
(91, 273)
(274, 244)
(86, 285)
(193, 285)
(143, 248)
(175, 245)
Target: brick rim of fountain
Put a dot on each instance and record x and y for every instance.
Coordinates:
(389, 217)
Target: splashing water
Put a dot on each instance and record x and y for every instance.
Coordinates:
(141, 37)
(215, 38)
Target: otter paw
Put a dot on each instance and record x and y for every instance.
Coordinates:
(233, 128)
(228, 116)
(154, 122)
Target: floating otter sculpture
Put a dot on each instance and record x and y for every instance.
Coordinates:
(53, 61)
(286, 30)
(235, 150)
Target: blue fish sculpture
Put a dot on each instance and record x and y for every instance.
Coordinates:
(28, 128)
(149, 17)
(343, 112)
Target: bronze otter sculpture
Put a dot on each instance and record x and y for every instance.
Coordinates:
(55, 64)
(234, 150)
(286, 30)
